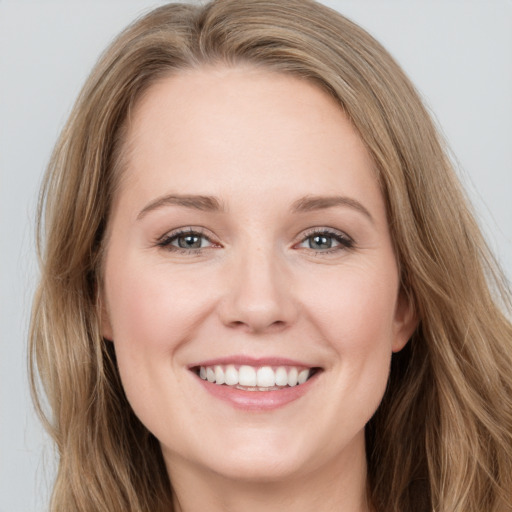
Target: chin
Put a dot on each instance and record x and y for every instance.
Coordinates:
(260, 468)
(270, 455)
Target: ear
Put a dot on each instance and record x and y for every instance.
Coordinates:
(104, 317)
(405, 322)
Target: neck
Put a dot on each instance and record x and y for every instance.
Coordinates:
(339, 485)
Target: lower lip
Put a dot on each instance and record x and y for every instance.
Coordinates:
(258, 400)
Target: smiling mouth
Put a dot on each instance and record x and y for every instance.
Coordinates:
(252, 378)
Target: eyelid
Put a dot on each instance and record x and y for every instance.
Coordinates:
(323, 230)
(345, 241)
(165, 241)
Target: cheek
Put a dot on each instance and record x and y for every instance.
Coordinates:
(152, 313)
(357, 313)
(140, 313)
(150, 308)
(356, 319)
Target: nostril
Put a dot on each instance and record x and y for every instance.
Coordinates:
(258, 326)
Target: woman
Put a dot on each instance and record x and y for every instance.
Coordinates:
(251, 297)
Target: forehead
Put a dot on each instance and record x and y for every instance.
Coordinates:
(219, 130)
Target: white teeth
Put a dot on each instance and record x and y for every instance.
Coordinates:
(264, 378)
(247, 376)
(281, 376)
(210, 374)
(219, 375)
(292, 377)
(231, 375)
(303, 376)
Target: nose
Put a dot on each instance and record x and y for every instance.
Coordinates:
(258, 294)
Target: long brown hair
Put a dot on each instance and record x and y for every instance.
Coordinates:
(443, 433)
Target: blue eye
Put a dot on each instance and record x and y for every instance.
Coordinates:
(320, 242)
(326, 241)
(188, 240)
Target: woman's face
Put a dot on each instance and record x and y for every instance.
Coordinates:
(249, 243)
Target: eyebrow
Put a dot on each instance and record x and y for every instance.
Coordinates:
(212, 204)
(312, 203)
(194, 202)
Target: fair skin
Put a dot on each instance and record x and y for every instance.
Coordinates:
(249, 230)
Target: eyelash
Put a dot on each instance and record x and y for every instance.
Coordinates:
(166, 241)
(344, 241)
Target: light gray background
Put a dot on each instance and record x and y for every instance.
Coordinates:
(458, 52)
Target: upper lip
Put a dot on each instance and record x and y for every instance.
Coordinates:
(252, 361)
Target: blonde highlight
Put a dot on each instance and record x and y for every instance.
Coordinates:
(442, 437)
